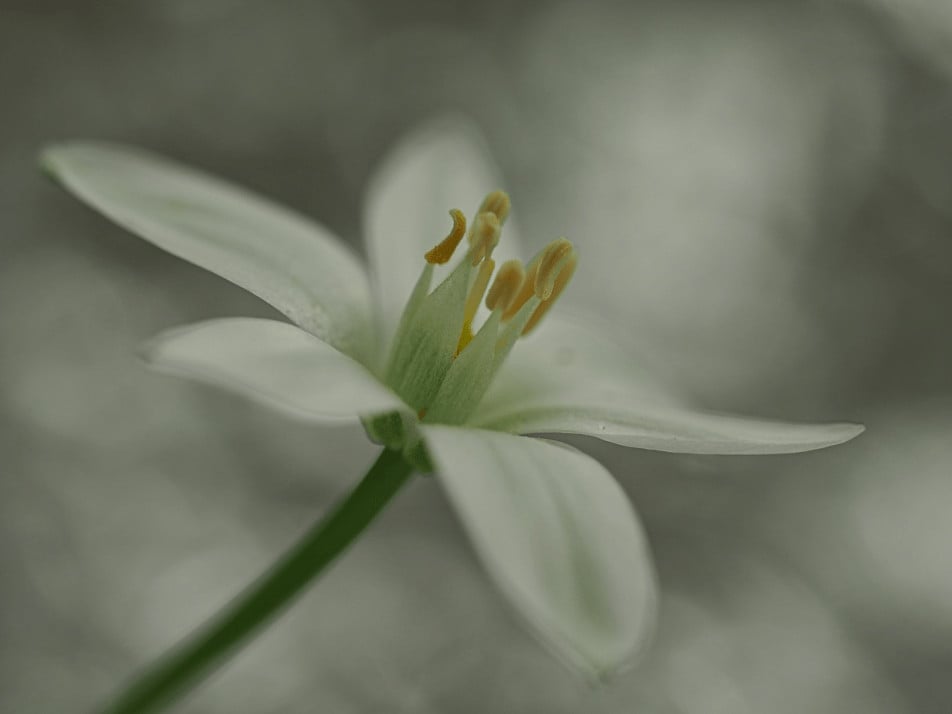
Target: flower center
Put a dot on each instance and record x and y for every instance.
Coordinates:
(441, 362)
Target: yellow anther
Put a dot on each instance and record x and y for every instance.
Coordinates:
(526, 289)
(566, 270)
(485, 236)
(506, 286)
(546, 276)
(497, 202)
(443, 251)
(556, 256)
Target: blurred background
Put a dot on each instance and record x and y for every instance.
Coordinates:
(760, 191)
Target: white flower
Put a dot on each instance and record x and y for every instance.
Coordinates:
(553, 529)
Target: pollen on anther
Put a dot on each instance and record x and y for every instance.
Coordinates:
(443, 251)
(506, 285)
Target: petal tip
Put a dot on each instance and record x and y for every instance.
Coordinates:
(849, 431)
(50, 158)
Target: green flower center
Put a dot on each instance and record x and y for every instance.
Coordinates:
(439, 362)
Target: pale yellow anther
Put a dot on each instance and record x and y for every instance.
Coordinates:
(506, 286)
(566, 268)
(497, 202)
(443, 251)
(526, 289)
(485, 236)
(554, 260)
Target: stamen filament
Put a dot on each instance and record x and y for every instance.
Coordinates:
(485, 236)
(473, 299)
(478, 289)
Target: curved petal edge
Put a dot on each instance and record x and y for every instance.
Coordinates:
(287, 260)
(674, 429)
(273, 363)
(559, 538)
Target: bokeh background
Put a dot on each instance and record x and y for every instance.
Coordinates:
(762, 196)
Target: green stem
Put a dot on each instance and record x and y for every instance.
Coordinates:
(198, 655)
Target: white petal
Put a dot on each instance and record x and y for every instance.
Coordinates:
(559, 538)
(444, 164)
(274, 363)
(292, 263)
(570, 354)
(568, 377)
(674, 429)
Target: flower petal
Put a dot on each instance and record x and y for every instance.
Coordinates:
(295, 265)
(569, 354)
(674, 429)
(559, 538)
(568, 377)
(445, 164)
(274, 363)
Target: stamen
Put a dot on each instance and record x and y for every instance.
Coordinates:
(473, 299)
(555, 258)
(526, 289)
(478, 289)
(497, 202)
(508, 280)
(443, 251)
(484, 236)
(546, 277)
(566, 268)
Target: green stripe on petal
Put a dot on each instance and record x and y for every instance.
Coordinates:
(274, 363)
(559, 538)
(292, 263)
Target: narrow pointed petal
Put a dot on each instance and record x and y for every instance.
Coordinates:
(559, 538)
(290, 262)
(666, 428)
(571, 356)
(444, 164)
(569, 377)
(274, 363)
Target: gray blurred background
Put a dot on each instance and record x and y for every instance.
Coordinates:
(761, 193)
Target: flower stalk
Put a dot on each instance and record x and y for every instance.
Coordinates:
(210, 646)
